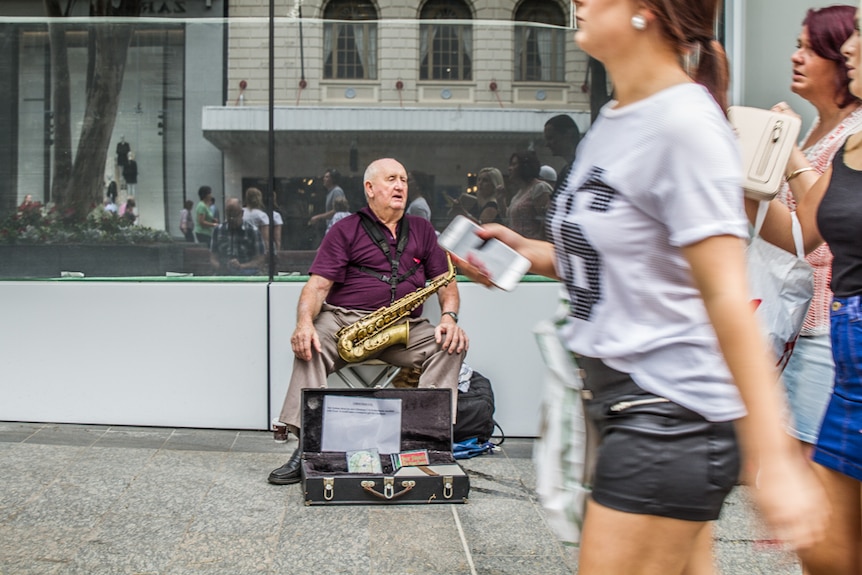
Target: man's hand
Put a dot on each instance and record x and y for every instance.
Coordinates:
(303, 340)
(452, 338)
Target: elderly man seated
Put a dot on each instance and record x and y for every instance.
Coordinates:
(352, 276)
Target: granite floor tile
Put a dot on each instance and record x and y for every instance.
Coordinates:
(222, 554)
(517, 565)
(747, 558)
(497, 478)
(184, 466)
(100, 500)
(409, 530)
(177, 499)
(422, 561)
(18, 566)
(16, 432)
(42, 462)
(38, 548)
(517, 447)
(201, 440)
(739, 520)
(63, 504)
(134, 437)
(228, 508)
(262, 442)
(127, 543)
(526, 533)
(251, 468)
(71, 435)
(325, 541)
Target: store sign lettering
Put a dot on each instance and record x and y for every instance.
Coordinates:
(174, 7)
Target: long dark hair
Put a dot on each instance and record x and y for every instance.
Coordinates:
(528, 165)
(689, 25)
(828, 29)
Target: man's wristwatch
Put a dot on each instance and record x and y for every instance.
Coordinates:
(452, 314)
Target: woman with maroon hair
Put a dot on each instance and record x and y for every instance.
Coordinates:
(819, 76)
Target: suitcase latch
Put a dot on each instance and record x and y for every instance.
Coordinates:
(328, 488)
(447, 486)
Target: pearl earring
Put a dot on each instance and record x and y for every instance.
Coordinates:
(639, 22)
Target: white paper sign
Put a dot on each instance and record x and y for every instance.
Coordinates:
(351, 423)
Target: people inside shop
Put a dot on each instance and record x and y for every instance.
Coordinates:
(482, 207)
(123, 149)
(418, 204)
(187, 223)
(236, 248)
(350, 278)
(342, 210)
(526, 213)
(111, 197)
(130, 174)
(332, 184)
(130, 214)
(254, 213)
(204, 220)
(562, 137)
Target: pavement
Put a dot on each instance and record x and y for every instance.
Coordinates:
(91, 499)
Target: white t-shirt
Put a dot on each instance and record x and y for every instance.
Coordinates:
(336, 217)
(649, 179)
(419, 207)
(255, 216)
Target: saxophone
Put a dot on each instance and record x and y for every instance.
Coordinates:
(376, 331)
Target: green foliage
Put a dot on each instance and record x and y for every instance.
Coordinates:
(34, 223)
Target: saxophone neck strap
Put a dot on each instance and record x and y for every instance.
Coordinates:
(373, 230)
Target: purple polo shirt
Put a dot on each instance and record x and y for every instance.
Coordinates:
(347, 245)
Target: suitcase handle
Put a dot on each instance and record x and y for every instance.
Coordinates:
(388, 488)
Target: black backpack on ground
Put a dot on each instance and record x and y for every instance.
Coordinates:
(476, 412)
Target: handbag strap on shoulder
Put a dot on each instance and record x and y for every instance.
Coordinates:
(795, 227)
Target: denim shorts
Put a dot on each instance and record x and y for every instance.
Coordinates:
(839, 445)
(656, 457)
(808, 380)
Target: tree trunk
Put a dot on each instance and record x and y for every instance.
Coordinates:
(78, 182)
(103, 98)
(60, 105)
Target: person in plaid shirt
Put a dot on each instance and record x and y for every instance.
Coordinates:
(237, 247)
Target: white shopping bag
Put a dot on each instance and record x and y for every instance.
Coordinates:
(562, 454)
(781, 285)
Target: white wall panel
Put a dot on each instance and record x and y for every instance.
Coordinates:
(161, 354)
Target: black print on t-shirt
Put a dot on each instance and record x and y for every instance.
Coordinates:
(576, 245)
(585, 292)
(602, 193)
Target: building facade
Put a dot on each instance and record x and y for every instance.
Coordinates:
(446, 86)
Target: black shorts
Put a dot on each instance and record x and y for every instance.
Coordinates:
(656, 457)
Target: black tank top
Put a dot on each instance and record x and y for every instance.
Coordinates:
(839, 219)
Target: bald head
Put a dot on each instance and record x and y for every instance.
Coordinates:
(374, 168)
(233, 212)
(386, 188)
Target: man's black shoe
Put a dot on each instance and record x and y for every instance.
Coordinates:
(289, 472)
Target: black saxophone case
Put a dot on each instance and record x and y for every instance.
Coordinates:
(426, 424)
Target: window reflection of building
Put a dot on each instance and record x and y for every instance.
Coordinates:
(539, 51)
(445, 50)
(350, 40)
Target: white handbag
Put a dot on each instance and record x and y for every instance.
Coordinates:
(766, 139)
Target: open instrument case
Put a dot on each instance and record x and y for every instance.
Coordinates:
(426, 424)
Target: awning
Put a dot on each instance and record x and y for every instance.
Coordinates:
(239, 126)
